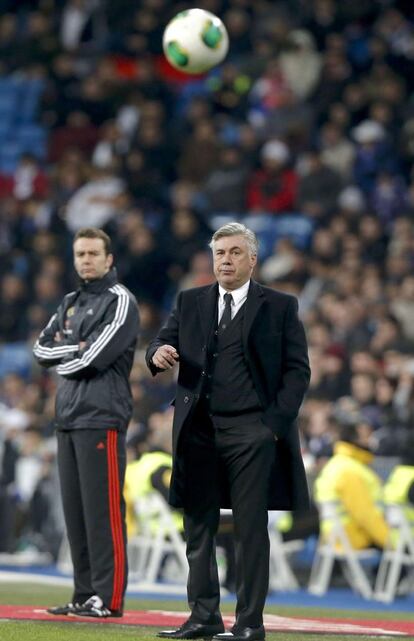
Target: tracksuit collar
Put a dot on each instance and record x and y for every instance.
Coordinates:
(100, 284)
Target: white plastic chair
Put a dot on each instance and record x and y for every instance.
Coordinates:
(64, 561)
(394, 557)
(147, 549)
(335, 545)
(281, 577)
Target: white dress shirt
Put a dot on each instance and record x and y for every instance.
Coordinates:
(239, 298)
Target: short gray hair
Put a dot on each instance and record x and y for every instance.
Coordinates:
(236, 229)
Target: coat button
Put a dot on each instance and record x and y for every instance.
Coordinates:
(186, 399)
(204, 348)
(203, 373)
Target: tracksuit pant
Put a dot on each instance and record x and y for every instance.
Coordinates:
(92, 466)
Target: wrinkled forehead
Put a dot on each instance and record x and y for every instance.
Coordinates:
(231, 242)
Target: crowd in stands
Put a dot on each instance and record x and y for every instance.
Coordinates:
(306, 133)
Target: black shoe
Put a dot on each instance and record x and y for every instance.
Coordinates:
(95, 607)
(69, 608)
(192, 630)
(242, 634)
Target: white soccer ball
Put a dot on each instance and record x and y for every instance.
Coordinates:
(195, 41)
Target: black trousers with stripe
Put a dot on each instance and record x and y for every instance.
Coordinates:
(92, 466)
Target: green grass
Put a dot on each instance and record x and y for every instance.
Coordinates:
(41, 631)
(12, 593)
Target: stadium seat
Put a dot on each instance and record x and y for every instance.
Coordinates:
(64, 560)
(8, 106)
(335, 546)
(30, 132)
(32, 138)
(5, 131)
(10, 153)
(398, 553)
(31, 92)
(147, 549)
(16, 358)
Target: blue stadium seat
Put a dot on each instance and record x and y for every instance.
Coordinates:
(31, 134)
(269, 229)
(10, 153)
(5, 131)
(31, 93)
(33, 139)
(8, 107)
(15, 358)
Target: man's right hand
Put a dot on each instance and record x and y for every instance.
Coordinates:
(165, 357)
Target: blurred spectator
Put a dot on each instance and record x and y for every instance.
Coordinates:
(373, 154)
(77, 132)
(200, 153)
(27, 181)
(186, 235)
(225, 187)
(82, 24)
(272, 188)
(399, 488)
(111, 146)
(318, 187)
(388, 197)
(96, 202)
(229, 92)
(337, 152)
(301, 63)
(145, 271)
(348, 480)
(13, 322)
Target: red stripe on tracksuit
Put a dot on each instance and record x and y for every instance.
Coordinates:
(115, 520)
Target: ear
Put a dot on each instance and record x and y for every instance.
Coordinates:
(110, 260)
(253, 260)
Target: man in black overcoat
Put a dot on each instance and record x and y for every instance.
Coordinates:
(243, 373)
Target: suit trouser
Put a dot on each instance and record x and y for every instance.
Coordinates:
(91, 470)
(246, 454)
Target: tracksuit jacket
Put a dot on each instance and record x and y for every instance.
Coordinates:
(93, 388)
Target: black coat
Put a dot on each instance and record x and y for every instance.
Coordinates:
(276, 352)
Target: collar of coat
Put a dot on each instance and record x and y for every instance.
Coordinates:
(207, 306)
(100, 284)
(353, 451)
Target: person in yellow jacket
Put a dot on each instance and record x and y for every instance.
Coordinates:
(399, 488)
(347, 479)
(151, 472)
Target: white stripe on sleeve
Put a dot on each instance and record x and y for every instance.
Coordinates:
(108, 333)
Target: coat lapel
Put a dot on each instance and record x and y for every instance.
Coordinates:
(207, 308)
(255, 299)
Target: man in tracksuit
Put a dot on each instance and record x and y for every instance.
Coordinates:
(91, 341)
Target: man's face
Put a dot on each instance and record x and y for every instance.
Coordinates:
(91, 261)
(233, 262)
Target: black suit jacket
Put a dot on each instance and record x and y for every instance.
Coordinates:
(276, 352)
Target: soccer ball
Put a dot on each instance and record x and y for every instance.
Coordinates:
(195, 41)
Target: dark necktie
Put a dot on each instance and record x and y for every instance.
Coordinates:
(226, 317)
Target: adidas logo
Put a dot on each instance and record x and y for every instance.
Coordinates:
(90, 311)
(100, 446)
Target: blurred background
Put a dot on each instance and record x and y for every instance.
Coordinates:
(305, 133)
